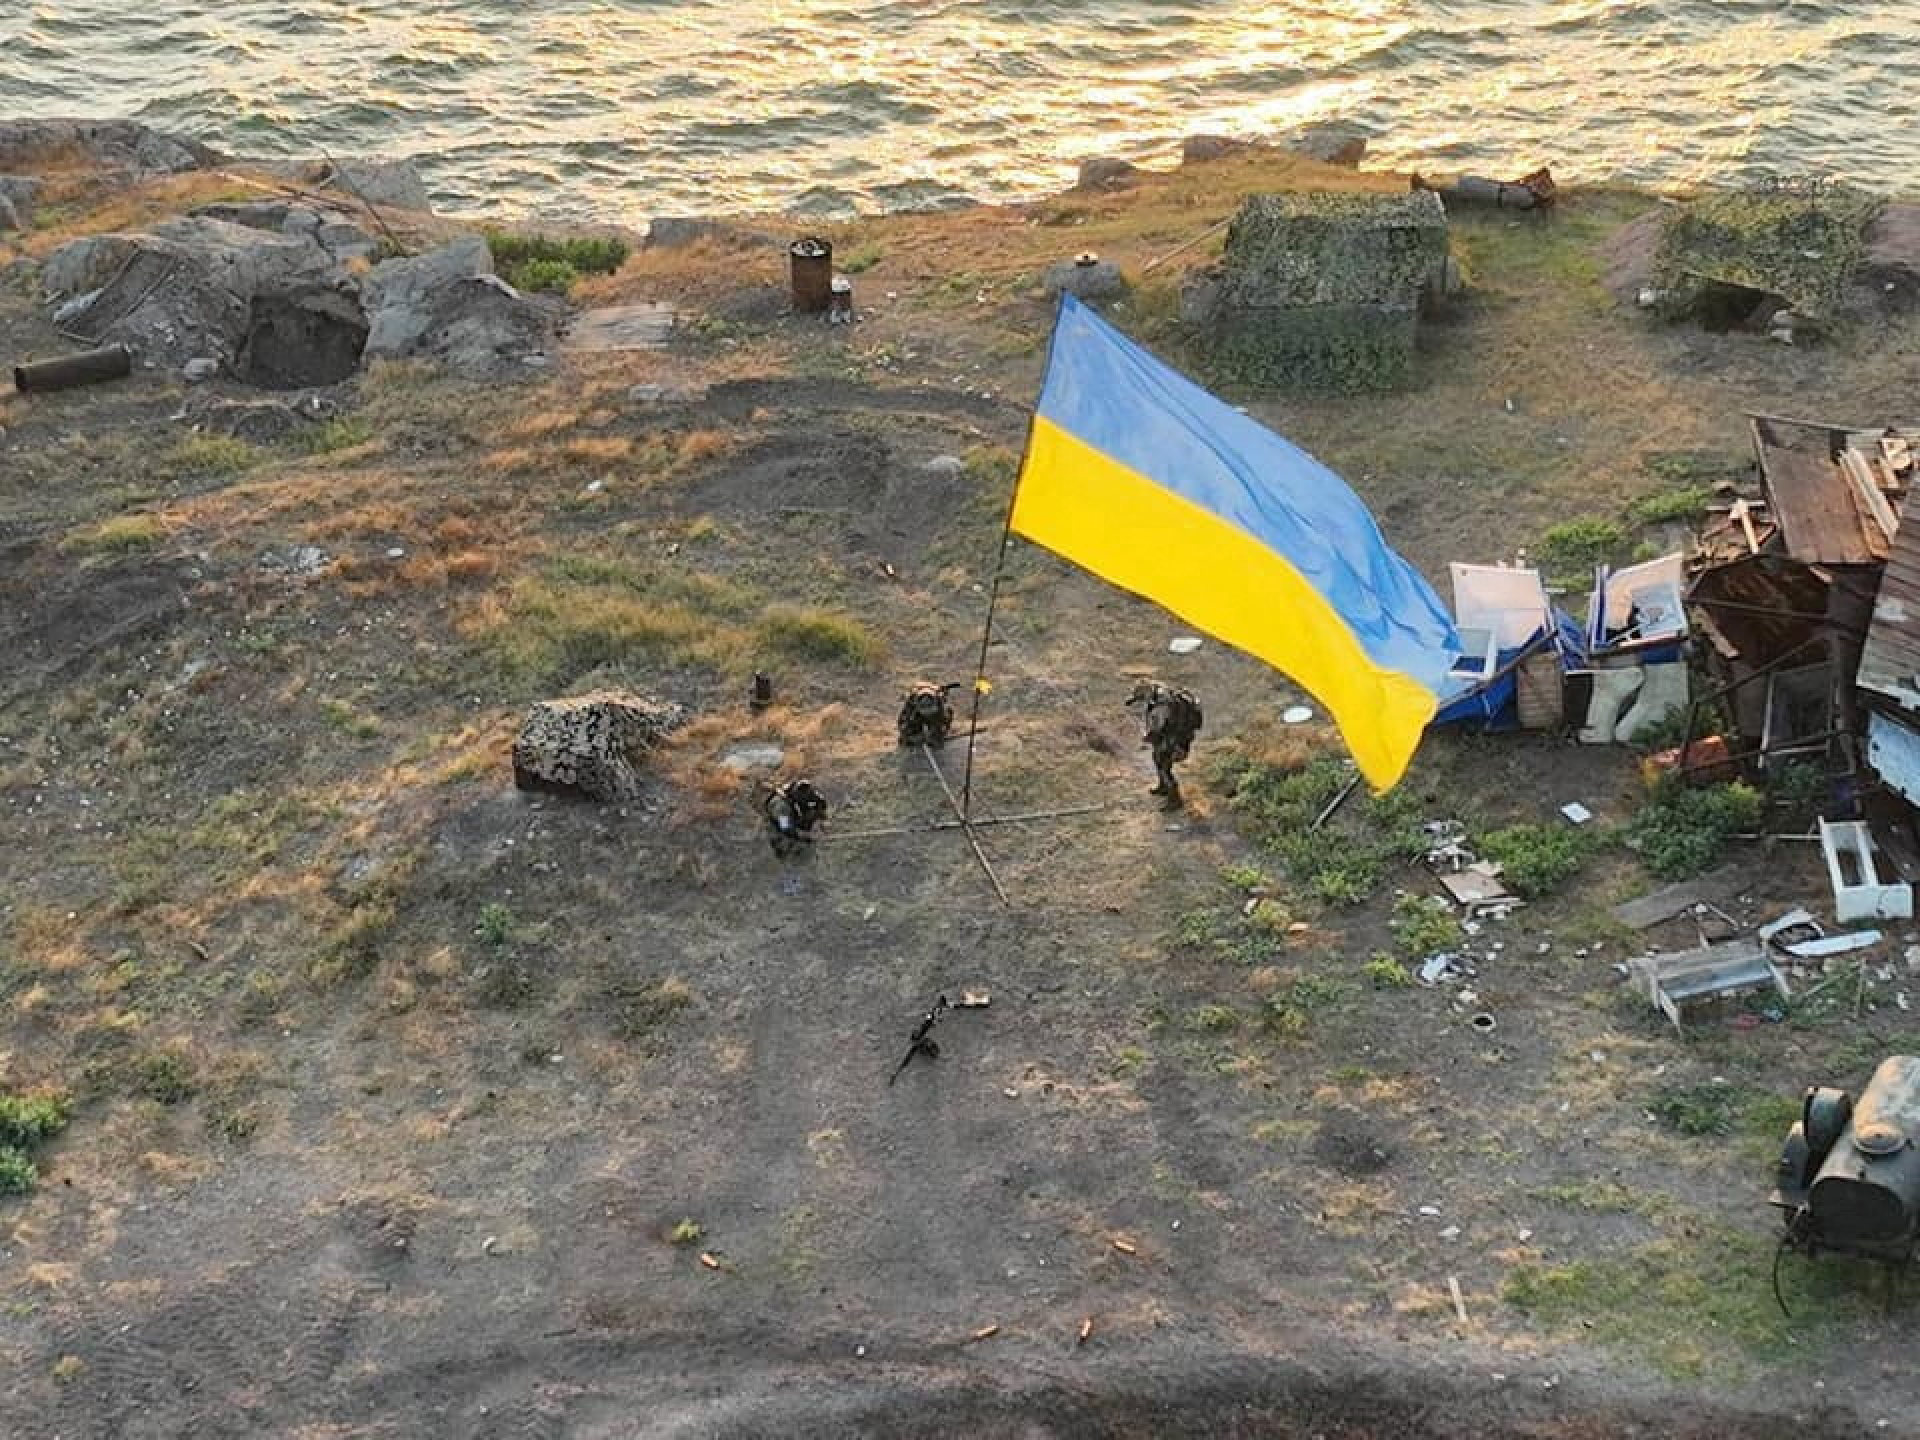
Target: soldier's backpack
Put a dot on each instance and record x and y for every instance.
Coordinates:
(1190, 711)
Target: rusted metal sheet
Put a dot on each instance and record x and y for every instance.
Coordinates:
(1890, 660)
(1821, 515)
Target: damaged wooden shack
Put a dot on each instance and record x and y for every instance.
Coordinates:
(1807, 598)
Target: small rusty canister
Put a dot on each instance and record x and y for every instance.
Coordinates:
(812, 262)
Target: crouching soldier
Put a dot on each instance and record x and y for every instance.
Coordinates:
(1169, 721)
(926, 715)
(792, 810)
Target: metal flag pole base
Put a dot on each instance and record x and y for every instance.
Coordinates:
(966, 826)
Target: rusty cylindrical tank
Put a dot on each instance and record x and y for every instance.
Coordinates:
(1865, 1197)
(811, 261)
(88, 367)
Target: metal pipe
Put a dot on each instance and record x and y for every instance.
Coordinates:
(89, 367)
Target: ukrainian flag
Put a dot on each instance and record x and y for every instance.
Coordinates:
(1139, 475)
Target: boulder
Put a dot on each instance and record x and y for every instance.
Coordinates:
(591, 744)
(449, 304)
(1329, 142)
(1085, 278)
(120, 144)
(17, 195)
(197, 287)
(1198, 149)
(1107, 172)
(378, 181)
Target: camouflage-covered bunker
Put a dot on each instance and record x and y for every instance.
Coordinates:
(1775, 257)
(1321, 290)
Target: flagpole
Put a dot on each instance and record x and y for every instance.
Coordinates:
(999, 573)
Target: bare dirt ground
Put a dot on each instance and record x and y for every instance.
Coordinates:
(407, 1104)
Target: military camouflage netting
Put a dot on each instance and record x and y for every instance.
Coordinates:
(1333, 249)
(1802, 244)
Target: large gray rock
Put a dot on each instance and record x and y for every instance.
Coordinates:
(279, 309)
(1198, 149)
(449, 304)
(379, 181)
(1107, 172)
(120, 144)
(590, 744)
(1330, 142)
(17, 194)
(1085, 278)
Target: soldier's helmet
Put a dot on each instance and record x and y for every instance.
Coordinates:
(1144, 692)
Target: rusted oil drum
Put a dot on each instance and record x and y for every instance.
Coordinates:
(811, 260)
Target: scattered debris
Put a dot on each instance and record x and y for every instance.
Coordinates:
(1459, 1300)
(922, 1041)
(66, 372)
(1443, 968)
(973, 1000)
(1086, 1331)
(1533, 191)
(1673, 982)
(1828, 945)
(1859, 891)
(1186, 645)
(1576, 813)
(1296, 715)
(710, 1260)
(1125, 1247)
(985, 1332)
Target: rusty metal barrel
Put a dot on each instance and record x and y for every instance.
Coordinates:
(88, 367)
(811, 260)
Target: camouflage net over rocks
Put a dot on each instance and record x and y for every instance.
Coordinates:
(1802, 243)
(1321, 291)
(591, 744)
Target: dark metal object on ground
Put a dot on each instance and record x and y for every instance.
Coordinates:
(811, 264)
(1850, 1171)
(923, 1042)
(762, 691)
(926, 713)
(88, 367)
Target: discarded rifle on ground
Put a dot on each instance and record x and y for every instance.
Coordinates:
(923, 1042)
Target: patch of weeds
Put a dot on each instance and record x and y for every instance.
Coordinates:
(1289, 1011)
(1423, 925)
(1800, 787)
(1127, 1062)
(234, 1124)
(28, 1120)
(119, 535)
(1692, 1305)
(1536, 860)
(1670, 729)
(207, 455)
(1341, 863)
(342, 433)
(639, 1010)
(820, 637)
(18, 1173)
(351, 950)
(1245, 877)
(1214, 1019)
(506, 982)
(1384, 972)
(687, 1232)
(344, 718)
(164, 1075)
(860, 259)
(1683, 830)
(553, 262)
(1600, 1197)
(1683, 503)
(1695, 1109)
(1578, 545)
(497, 925)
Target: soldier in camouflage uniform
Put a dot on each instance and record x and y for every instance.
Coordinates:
(926, 714)
(792, 810)
(1169, 721)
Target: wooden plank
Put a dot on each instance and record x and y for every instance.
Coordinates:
(1670, 900)
(1854, 466)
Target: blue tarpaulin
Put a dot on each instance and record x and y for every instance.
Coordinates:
(1494, 704)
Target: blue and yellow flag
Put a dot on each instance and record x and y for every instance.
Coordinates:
(1139, 475)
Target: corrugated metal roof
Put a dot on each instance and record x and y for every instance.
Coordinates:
(1890, 662)
(1821, 518)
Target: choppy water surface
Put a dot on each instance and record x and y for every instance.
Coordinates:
(622, 109)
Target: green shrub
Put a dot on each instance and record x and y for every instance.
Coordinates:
(553, 262)
(1683, 831)
(1580, 544)
(1386, 973)
(26, 1120)
(17, 1171)
(1536, 860)
(1683, 503)
(341, 434)
(1214, 1019)
(687, 1232)
(496, 925)
(164, 1075)
(1695, 1109)
(1423, 925)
